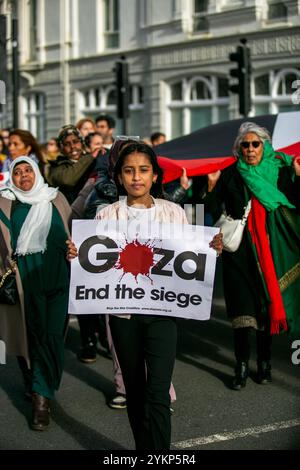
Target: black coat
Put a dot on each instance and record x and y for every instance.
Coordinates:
(243, 289)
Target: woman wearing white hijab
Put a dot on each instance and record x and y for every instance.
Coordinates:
(34, 229)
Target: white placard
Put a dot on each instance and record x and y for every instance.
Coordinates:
(124, 269)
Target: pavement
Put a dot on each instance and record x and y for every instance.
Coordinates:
(208, 414)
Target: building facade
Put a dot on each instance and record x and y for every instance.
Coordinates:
(178, 55)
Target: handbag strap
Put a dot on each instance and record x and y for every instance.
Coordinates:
(248, 206)
(5, 220)
(7, 223)
(247, 210)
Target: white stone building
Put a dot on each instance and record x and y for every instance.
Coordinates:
(178, 60)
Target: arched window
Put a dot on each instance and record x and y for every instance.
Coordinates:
(103, 99)
(200, 91)
(273, 91)
(196, 102)
(262, 85)
(112, 98)
(285, 84)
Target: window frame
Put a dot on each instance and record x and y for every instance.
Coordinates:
(34, 116)
(187, 104)
(111, 10)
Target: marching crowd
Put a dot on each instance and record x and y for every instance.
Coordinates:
(80, 174)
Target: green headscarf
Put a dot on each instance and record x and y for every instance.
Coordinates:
(262, 179)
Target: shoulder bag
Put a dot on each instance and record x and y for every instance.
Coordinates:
(233, 229)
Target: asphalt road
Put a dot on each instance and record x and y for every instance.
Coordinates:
(208, 414)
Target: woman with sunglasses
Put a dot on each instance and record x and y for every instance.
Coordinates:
(261, 278)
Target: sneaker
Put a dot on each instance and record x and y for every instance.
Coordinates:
(118, 402)
(87, 354)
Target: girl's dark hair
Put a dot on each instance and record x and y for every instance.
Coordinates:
(114, 153)
(140, 147)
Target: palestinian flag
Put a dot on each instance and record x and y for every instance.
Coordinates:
(210, 149)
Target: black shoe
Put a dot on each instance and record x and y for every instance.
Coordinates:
(241, 375)
(87, 354)
(264, 372)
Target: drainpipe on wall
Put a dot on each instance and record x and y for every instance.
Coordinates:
(64, 59)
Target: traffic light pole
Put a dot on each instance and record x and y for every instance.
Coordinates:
(124, 126)
(15, 66)
(122, 91)
(243, 73)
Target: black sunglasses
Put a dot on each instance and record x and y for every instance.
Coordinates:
(255, 144)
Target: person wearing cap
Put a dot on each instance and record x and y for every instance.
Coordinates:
(72, 169)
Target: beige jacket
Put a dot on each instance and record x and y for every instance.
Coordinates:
(12, 317)
(165, 212)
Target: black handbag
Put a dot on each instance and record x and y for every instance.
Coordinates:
(8, 287)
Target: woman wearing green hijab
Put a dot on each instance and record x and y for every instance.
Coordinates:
(261, 278)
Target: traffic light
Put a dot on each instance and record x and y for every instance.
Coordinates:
(122, 86)
(3, 59)
(243, 73)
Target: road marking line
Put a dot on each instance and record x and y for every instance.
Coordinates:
(226, 436)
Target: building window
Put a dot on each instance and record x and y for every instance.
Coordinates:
(262, 85)
(200, 91)
(33, 30)
(111, 24)
(136, 108)
(2, 123)
(285, 84)
(103, 100)
(277, 11)
(197, 102)
(176, 91)
(273, 91)
(200, 22)
(34, 115)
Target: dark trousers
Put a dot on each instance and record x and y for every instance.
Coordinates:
(146, 349)
(241, 337)
(26, 373)
(89, 326)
